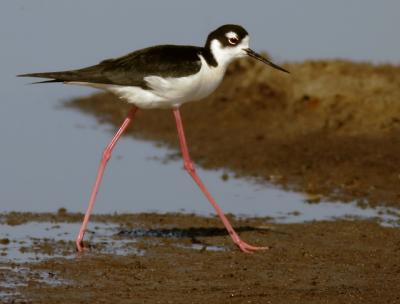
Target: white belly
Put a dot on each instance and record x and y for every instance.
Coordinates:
(172, 92)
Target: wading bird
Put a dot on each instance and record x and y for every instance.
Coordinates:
(164, 76)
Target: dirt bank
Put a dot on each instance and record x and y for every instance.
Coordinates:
(330, 128)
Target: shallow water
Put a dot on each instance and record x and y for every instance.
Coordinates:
(138, 180)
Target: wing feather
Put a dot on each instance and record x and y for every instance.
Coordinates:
(131, 69)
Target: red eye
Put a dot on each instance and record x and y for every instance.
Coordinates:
(233, 40)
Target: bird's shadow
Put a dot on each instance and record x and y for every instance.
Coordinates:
(191, 232)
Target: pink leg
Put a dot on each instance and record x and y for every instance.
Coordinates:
(106, 156)
(191, 170)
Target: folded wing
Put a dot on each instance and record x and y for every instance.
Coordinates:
(131, 69)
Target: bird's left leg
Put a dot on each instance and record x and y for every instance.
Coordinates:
(105, 157)
(191, 170)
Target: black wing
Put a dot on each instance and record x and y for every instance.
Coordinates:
(130, 70)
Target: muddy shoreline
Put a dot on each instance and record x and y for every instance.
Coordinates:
(330, 130)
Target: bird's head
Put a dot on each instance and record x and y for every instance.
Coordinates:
(231, 41)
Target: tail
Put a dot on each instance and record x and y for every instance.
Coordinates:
(53, 76)
(91, 74)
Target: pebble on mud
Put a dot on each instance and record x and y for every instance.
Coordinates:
(4, 241)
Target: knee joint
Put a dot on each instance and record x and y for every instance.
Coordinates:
(189, 167)
(106, 154)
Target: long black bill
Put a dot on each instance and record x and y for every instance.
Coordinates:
(253, 54)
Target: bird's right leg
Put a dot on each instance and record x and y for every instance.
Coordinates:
(105, 157)
(188, 165)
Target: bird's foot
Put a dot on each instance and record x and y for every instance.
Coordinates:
(80, 247)
(244, 247)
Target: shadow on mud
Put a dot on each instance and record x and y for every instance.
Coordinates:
(191, 232)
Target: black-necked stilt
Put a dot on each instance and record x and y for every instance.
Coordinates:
(164, 76)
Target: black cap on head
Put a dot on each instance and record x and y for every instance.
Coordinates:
(220, 35)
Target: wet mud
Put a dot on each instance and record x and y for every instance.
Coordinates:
(176, 258)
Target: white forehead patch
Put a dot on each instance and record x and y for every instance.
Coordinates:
(230, 35)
